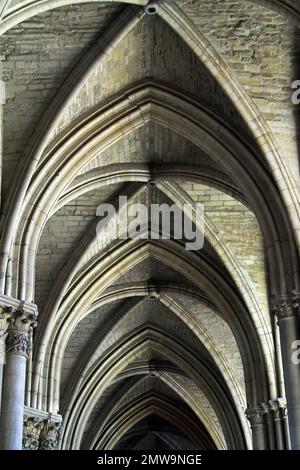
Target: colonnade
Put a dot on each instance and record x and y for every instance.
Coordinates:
(275, 424)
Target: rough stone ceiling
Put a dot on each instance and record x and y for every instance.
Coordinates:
(246, 41)
(39, 54)
(35, 69)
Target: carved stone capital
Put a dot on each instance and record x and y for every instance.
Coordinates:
(286, 307)
(266, 411)
(283, 407)
(255, 416)
(275, 410)
(41, 429)
(5, 314)
(17, 343)
(20, 326)
(31, 432)
(49, 435)
(284, 412)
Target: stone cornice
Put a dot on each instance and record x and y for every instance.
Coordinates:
(28, 411)
(16, 304)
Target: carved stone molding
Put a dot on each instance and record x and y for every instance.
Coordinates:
(286, 307)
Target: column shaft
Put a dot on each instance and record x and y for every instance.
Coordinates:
(289, 334)
(17, 347)
(256, 418)
(279, 434)
(1, 384)
(258, 437)
(271, 435)
(13, 402)
(286, 432)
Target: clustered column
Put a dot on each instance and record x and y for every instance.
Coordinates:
(269, 426)
(256, 419)
(5, 313)
(19, 326)
(288, 315)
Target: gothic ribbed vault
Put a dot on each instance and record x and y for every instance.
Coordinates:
(140, 343)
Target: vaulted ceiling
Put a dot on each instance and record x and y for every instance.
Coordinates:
(142, 343)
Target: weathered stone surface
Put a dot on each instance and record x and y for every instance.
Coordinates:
(39, 54)
(261, 48)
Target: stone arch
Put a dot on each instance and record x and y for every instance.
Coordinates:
(266, 218)
(185, 317)
(81, 415)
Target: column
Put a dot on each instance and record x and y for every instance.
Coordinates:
(256, 419)
(5, 313)
(17, 344)
(288, 316)
(279, 432)
(270, 426)
(285, 424)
